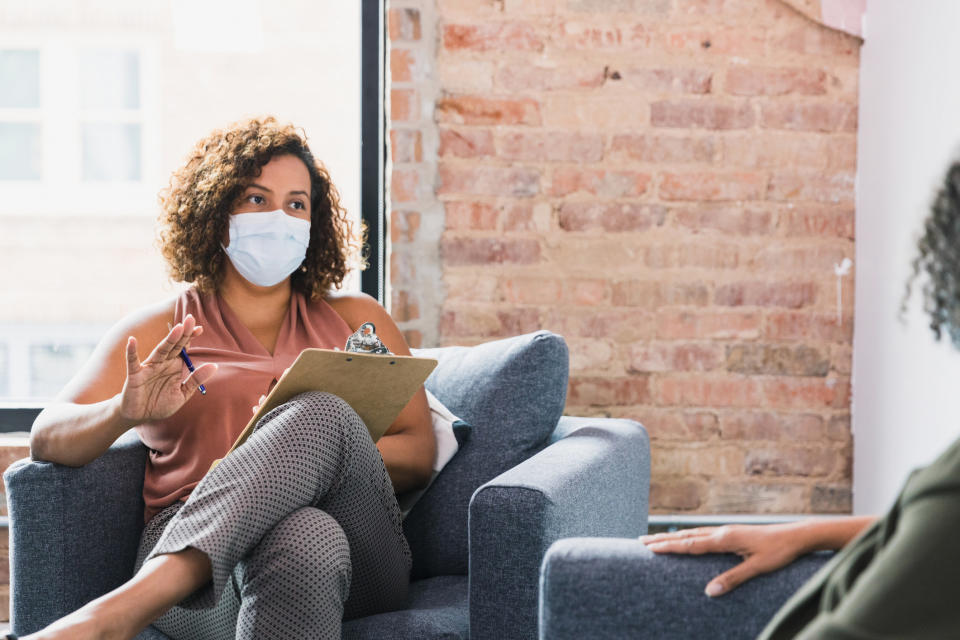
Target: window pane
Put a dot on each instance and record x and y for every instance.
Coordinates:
(52, 366)
(19, 78)
(19, 151)
(109, 79)
(111, 151)
(4, 371)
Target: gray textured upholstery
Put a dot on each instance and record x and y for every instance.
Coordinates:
(615, 589)
(74, 532)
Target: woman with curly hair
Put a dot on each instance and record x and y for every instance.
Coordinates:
(299, 528)
(896, 575)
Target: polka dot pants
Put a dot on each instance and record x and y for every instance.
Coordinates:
(301, 526)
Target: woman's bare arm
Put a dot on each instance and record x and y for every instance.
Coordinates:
(115, 390)
(408, 447)
(764, 548)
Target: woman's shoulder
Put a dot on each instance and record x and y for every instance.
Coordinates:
(148, 321)
(355, 308)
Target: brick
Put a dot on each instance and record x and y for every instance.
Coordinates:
(838, 428)
(487, 181)
(792, 461)
(653, 293)
(702, 186)
(492, 36)
(664, 149)
(594, 111)
(471, 216)
(604, 391)
(587, 291)
(403, 267)
(458, 252)
(620, 325)
(766, 425)
(824, 117)
(402, 65)
(676, 495)
(469, 109)
(765, 359)
(653, 8)
(606, 184)
(674, 424)
(554, 146)
(815, 40)
(805, 259)
(677, 325)
(818, 221)
(403, 24)
(750, 497)
(469, 322)
(404, 106)
(404, 185)
(613, 217)
(701, 391)
(689, 81)
(835, 188)
(679, 459)
(777, 149)
(584, 36)
(737, 221)
(523, 78)
(471, 285)
(466, 143)
(649, 357)
(518, 216)
(404, 306)
(532, 290)
(748, 42)
(701, 114)
(792, 295)
(406, 145)
(808, 326)
(457, 74)
(841, 358)
(707, 256)
(831, 499)
(586, 254)
(590, 355)
(806, 393)
(765, 81)
(404, 225)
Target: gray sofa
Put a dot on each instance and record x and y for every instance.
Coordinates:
(616, 589)
(525, 478)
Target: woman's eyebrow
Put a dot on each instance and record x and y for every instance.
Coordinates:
(254, 185)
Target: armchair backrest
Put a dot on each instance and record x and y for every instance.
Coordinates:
(512, 392)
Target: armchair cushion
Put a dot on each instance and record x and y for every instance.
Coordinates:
(615, 588)
(512, 392)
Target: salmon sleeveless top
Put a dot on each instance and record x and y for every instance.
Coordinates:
(183, 446)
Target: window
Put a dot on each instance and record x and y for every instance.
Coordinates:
(103, 107)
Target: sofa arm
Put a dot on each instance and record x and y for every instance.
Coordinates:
(612, 589)
(593, 480)
(74, 532)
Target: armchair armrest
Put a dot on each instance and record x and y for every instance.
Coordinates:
(74, 532)
(611, 589)
(593, 480)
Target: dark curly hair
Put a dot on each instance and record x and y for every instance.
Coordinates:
(195, 207)
(938, 257)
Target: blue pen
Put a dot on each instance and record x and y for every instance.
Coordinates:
(186, 359)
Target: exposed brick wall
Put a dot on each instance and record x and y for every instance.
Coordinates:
(668, 184)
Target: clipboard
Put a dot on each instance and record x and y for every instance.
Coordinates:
(377, 386)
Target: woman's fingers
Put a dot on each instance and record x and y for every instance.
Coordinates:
(693, 545)
(730, 580)
(200, 376)
(678, 535)
(188, 324)
(133, 360)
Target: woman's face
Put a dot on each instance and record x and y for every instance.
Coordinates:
(283, 184)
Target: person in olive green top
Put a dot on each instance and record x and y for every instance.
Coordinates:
(896, 576)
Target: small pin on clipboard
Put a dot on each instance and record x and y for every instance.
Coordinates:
(376, 385)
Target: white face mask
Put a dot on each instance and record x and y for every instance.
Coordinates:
(267, 247)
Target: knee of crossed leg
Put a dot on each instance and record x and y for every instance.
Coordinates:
(332, 410)
(308, 551)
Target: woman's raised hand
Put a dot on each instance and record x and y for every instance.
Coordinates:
(764, 548)
(156, 388)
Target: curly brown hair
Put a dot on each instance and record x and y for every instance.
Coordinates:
(938, 259)
(195, 207)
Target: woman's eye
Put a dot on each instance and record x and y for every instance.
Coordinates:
(255, 199)
(296, 204)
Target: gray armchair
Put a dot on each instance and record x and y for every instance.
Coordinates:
(525, 478)
(616, 589)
